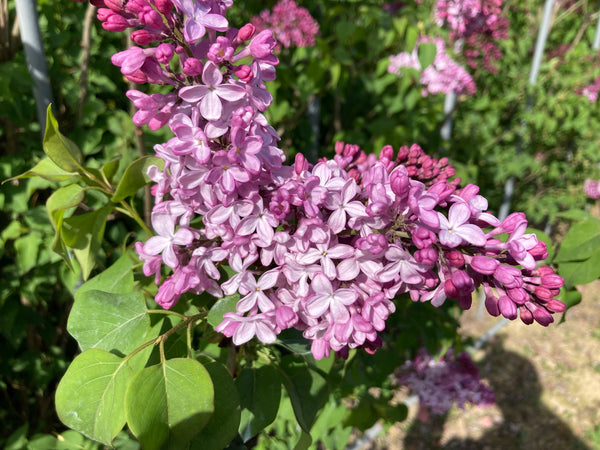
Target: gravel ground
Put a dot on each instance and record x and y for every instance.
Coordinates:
(547, 386)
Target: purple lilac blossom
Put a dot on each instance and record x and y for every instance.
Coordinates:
(441, 383)
(475, 26)
(325, 248)
(441, 77)
(290, 24)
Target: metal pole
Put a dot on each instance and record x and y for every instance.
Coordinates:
(449, 103)
(596, 44)
(35, 57)
(509, 186)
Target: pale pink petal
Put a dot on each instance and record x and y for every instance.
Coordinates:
(212, 76)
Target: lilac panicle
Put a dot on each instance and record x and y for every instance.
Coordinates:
(324, 248)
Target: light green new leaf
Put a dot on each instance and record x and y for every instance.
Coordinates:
(135, 177)
(260, 395)
(28, 248)
(84, 234)
(62, 199)
(222, 306)
(169, 403)
(60, 149)
(580, 243)
(48, 170)
(90, 398)
(222, 428)
(117, 279)
(112, 322)
(426, 54)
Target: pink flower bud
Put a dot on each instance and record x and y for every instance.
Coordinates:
(484, 264)
(300, 164)
(526, 315)
(387, 152)
(163, 6)
(143, 37)
(192, 67)
(399, 181)
(115, 5)
(164, 53)
(112, 21)
(514, 220)
(426, 256)
(244, 73)
(518, 295)
(540, 251)
(552, 281)
(246, 32)
(463, 281)
(285, 317)
(555, 305)
(455, 258)
(542, 316)
(507, 307)
(492, 306)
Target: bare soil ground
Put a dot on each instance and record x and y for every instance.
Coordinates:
(547, 386)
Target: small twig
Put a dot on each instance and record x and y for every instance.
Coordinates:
(85, 58)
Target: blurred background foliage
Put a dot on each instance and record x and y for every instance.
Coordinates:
(546, 137)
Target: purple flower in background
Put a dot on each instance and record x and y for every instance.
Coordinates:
(291, 24)
(441, 383)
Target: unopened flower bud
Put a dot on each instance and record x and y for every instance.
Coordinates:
(163, 6)
(244, 73)
(484, 264)
(492, 306)
(514, 220)
(507, 307)
(455, 258)
(246, 32)
(526, 315)
(192, 67)
(164, 53)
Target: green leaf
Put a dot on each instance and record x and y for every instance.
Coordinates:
(28, 248)
(169, 403)
(576, 214)
(135, 177)
(570, 297)
(222, 427)
(411, 38)
(64, 152)
(90, 398)
(260, 394)
(110, 168)
(581, 242)
(112, 322)
(426, 54)
(222, 306)
(62, 199)
(577, 273)
(84, 234)
(18, 439)
(307, 389)
(117, 279)
(48, 170)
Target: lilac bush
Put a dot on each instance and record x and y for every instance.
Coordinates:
(323, 248)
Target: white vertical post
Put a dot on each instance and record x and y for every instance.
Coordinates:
(596, 44)
(509, 186)
(35, 57)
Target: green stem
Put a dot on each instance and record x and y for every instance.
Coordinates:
(163, 337)
(131, 212)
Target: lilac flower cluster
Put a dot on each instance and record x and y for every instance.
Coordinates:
(478, 24)
(441, 77)
(322, 248)
(592, 188)
(591, 90)
(441, 383)
(290, 24)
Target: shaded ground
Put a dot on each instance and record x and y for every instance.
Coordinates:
(547, 386)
